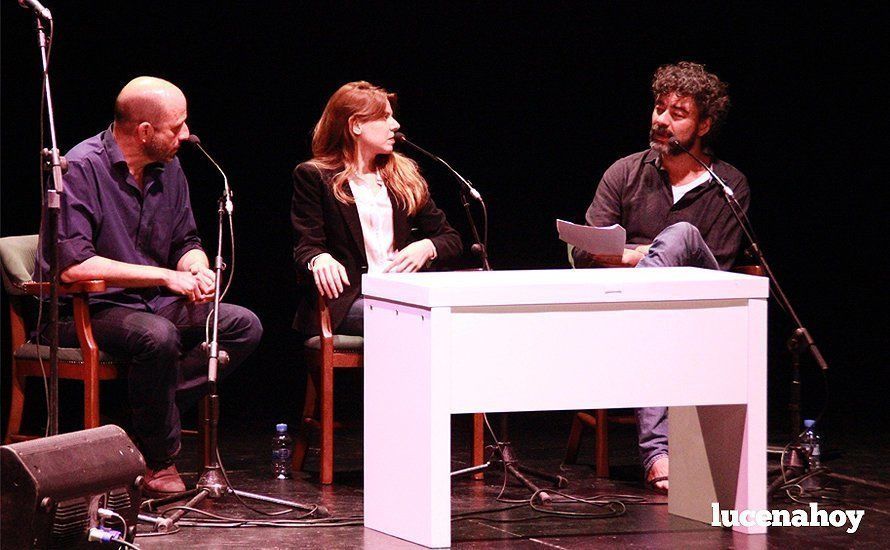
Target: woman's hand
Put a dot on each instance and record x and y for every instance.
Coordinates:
(330, 275)
(412, 257)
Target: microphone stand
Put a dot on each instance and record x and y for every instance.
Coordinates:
(800, 340)
(213, 482)
(480, 246)
(53, 162)
(503, 449)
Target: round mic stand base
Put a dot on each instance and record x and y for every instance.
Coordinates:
(213, 482)
(503, 456)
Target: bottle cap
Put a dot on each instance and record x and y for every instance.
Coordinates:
(808, 423)
(281, 427)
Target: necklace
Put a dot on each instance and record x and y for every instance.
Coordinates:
(378, 179)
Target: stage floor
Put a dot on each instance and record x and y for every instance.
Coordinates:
(539, 439)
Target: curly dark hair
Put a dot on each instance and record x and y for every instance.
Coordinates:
(693, 80)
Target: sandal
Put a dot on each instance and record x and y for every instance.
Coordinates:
(651, 484)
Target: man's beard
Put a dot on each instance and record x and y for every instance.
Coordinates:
(665, 148)
(157, 152)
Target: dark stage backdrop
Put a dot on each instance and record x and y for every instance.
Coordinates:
(531, 102)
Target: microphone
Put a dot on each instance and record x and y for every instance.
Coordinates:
(196, 141)
(400, 138)
(676, 146)
(37, 8)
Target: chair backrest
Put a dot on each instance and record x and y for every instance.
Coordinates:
(18, 256)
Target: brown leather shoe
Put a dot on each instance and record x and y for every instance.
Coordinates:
(163, 482)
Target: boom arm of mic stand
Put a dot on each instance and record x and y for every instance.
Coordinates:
(472, 190)
(801, 337)
(745, 224)
(807, 339)
(227, 195)
(467, 188)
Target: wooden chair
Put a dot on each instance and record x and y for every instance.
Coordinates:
(600, 419)
(324, 354)
(85, 363)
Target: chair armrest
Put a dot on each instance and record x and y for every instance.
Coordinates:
(33, 288)
(326, 335)
(324, 319)
(82, 323)
(84, 327)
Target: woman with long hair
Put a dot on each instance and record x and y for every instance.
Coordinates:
(355, 205)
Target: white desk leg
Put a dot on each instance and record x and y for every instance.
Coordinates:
(718, 452)
(407, 449)
(751, 493)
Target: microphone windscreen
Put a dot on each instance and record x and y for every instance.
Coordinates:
(193, 138)
(400, 137)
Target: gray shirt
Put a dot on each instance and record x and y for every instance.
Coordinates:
(636, 193)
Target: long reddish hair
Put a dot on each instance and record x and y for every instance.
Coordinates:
(334, 146)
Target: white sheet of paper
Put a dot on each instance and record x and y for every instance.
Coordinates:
(605, 241)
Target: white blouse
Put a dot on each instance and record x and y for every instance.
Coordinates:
(375, 214)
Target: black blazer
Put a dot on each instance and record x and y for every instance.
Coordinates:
(321, 224)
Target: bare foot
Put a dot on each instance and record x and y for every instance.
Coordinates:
(657, 476)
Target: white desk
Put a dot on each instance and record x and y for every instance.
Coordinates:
(437, 344)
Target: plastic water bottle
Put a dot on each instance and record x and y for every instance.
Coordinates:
(812, 443)
(282, 446)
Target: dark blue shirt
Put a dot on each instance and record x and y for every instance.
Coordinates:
(105, 213)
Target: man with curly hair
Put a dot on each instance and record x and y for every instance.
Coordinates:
(674, 214)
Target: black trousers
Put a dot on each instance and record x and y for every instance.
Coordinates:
(168, 367)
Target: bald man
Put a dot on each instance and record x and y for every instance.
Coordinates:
(126, 218)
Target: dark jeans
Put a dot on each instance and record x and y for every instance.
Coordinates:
(167, 366)
(354, 323)
(677, 245)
